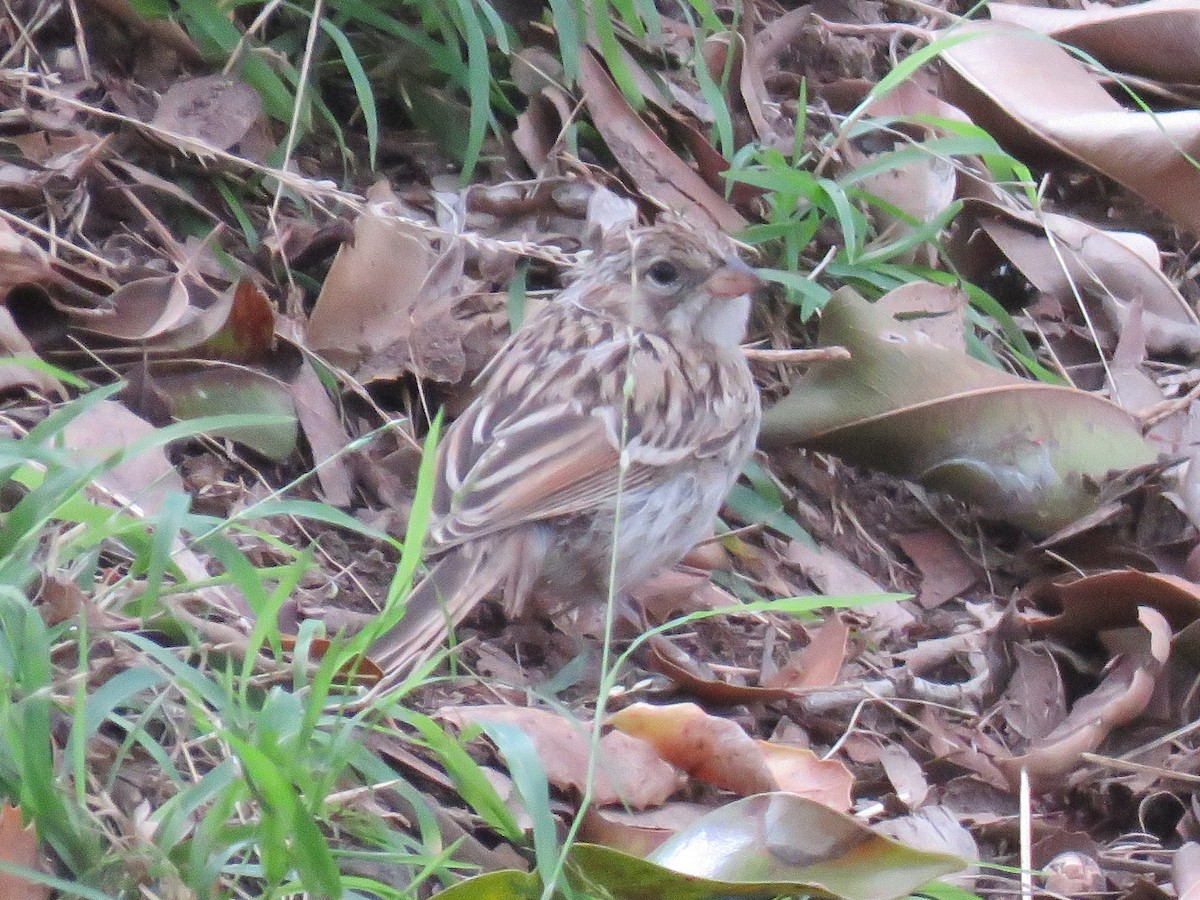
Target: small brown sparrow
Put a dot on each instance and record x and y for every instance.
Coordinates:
(608, 431)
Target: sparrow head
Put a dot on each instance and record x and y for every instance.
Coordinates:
(673, 278)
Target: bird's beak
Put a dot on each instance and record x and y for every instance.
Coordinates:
(732, 280)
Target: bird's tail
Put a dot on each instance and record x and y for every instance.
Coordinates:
(453, 587)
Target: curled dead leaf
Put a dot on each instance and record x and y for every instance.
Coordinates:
(717, 750)
(629, 770)
(1120, 697)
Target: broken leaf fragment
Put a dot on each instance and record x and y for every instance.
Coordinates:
(1033, 454)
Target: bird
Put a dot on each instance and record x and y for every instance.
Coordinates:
(604, 436)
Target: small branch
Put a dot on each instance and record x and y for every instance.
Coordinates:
(795, 357)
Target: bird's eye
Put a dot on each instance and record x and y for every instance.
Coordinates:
(663, 273)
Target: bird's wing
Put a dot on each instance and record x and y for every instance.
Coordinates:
(545, 438)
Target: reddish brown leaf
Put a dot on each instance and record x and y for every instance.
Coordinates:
(629, 771)
(249, 332)
(1108, 600)
(19, 847)
(818, 664)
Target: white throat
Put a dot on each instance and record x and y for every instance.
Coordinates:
(723, 322)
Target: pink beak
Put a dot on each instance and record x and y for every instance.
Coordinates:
(732, 280)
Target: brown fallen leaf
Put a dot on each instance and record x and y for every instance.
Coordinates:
(1121, 696)
(142, 482)
(19, 847)
(629, 771)
(1106, 600)
(171, 312)
(657, 171)
(819, 663)
(1155, 38)
(937, 829)
(946, 570)
(325, 433)
(374, 285)
(999, 77)
(248, 333)
(211, 112)
(905, 774)
(1035, 700)
(1111, 270)
(716, 750)
(699, 680)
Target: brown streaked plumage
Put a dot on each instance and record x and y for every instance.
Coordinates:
(637, 360)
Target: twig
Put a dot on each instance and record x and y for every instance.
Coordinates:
(796, 356)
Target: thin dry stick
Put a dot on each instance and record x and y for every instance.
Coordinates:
(53, 239)
(1026, 837)
(799, 356)
(289, 144)
(1124, 765)
(934, 12)
(1167, 408)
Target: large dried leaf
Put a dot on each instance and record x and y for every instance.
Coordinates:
(1025, 452)
(172, 312)
(388, 300)
(716, 750)
(143, 481)
(769, 845)
(1105, 600)
(999, 77)
(367, 300)
(772, 844)
(1158, 38)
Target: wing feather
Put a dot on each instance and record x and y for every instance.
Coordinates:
(545, 438)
